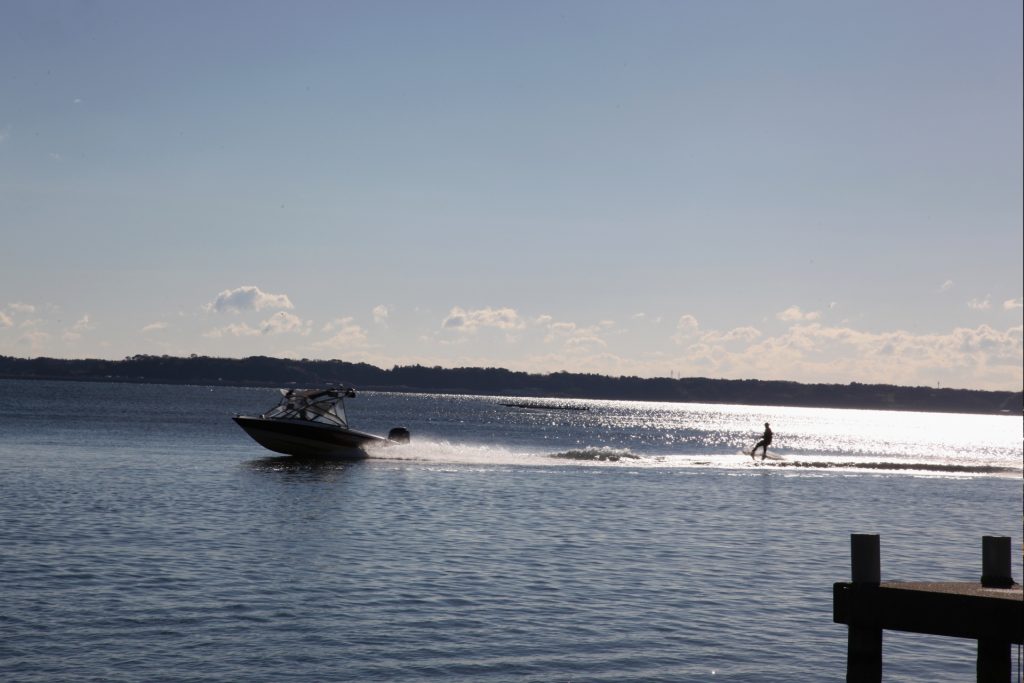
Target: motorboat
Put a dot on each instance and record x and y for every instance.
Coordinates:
(313, 423)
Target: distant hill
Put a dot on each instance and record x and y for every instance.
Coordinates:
(279, 372)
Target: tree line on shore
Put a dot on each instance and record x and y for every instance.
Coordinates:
(281, 372)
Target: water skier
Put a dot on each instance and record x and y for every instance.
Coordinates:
(766, 440)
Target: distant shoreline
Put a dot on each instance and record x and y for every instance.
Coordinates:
(263, 371)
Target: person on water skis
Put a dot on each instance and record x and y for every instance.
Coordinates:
(766, 440)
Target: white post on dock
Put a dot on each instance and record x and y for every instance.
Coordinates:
(864, 641)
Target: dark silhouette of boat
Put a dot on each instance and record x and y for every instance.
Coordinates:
(313, 423)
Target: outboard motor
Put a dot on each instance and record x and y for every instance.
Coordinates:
(398, 435)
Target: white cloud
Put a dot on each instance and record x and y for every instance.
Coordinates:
(282, 322)
(247, 298)
(5, 320)
(746, 334)
(559, 330)
(82, 324)
(1011, 304)
(349, 335)
(470, 321)
(279, 323)
(644, 317)
(22, 308)
(235, 330)
(946, 286)
(812, 352)
(686, 328)
(585, 342)
(380, 314)
(793, 314)
(74, 333)
(155, 327)
(805, 351)
(574, 337)
(337, 324)
(980, 304)
(35, 340)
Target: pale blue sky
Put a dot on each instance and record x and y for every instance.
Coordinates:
(787, 190)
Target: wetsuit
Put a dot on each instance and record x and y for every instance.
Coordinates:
(766, 440)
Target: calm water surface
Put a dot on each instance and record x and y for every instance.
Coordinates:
(144, 537)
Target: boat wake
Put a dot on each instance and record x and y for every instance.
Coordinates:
(597, 455)
(897, 466)
(480, 454)
(453, 453)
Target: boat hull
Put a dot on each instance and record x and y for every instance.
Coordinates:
(307, 439)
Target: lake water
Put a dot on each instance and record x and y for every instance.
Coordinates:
(145, 537)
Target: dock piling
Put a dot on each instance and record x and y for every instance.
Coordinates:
(995, 562)
(995, 655)
(990, 611)
(864, 639)
(865, 559)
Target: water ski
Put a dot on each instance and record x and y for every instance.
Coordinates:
(769, 456)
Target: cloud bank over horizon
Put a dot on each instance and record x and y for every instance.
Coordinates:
(790, 344)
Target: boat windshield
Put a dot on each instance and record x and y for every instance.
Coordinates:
(324, 406)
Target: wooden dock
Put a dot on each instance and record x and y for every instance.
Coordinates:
(990, 611)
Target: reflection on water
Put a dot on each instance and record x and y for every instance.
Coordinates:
(325, 468)
(680, 432)
(625, 542)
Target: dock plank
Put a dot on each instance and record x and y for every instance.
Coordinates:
(952, 609)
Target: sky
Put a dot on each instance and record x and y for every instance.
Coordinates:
(809, 191)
